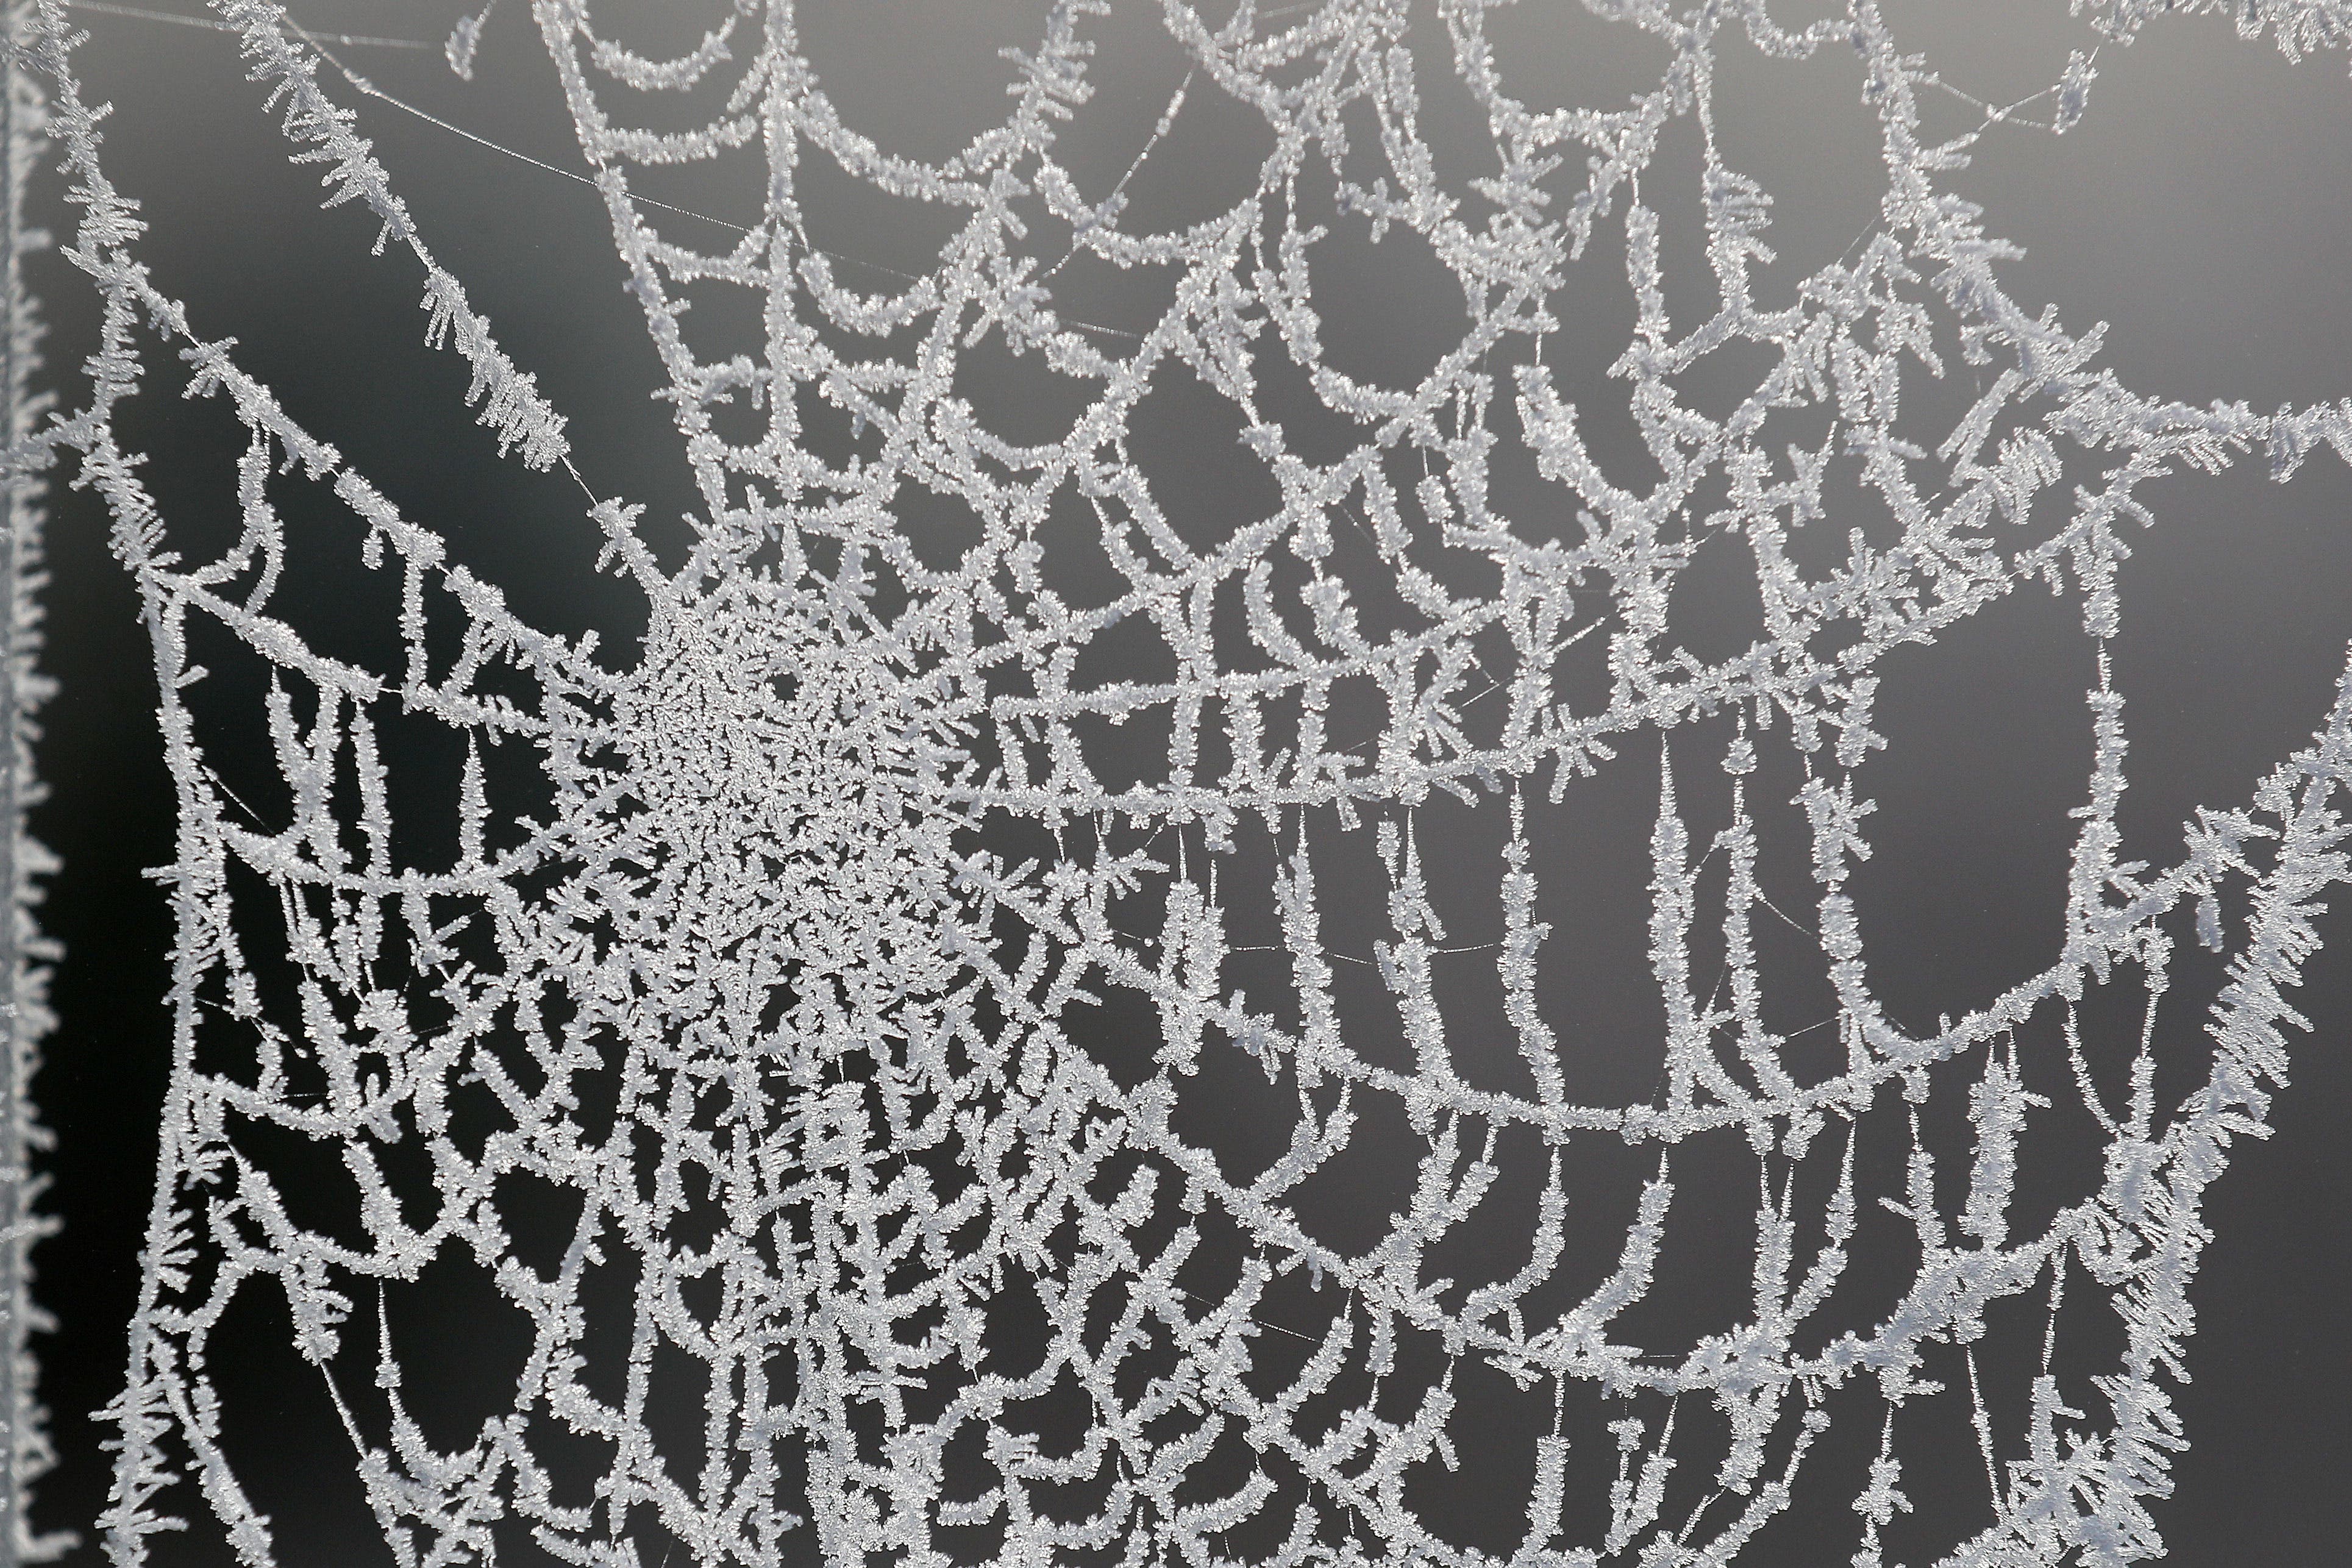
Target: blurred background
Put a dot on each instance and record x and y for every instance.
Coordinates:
(2201, 211)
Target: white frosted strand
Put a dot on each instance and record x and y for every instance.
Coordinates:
(25, 954)
(893, 903)
(510, 397)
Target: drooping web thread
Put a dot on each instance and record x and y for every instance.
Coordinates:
(855, 987)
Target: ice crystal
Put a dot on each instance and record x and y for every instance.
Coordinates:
(851, 984)
(22, 860)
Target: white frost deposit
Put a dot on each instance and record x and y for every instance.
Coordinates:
(1031, 1004)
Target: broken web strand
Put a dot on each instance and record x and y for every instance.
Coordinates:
(1070, 909)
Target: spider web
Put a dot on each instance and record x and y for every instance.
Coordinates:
(946, 982)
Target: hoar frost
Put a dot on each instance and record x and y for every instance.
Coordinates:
(790, 999)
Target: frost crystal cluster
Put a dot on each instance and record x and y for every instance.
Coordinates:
(1024, 1021)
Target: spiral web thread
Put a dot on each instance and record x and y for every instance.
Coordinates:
(788, 994)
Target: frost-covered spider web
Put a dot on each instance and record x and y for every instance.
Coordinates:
(1025, 1020)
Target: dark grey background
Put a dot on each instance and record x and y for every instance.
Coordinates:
(2200, 210)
